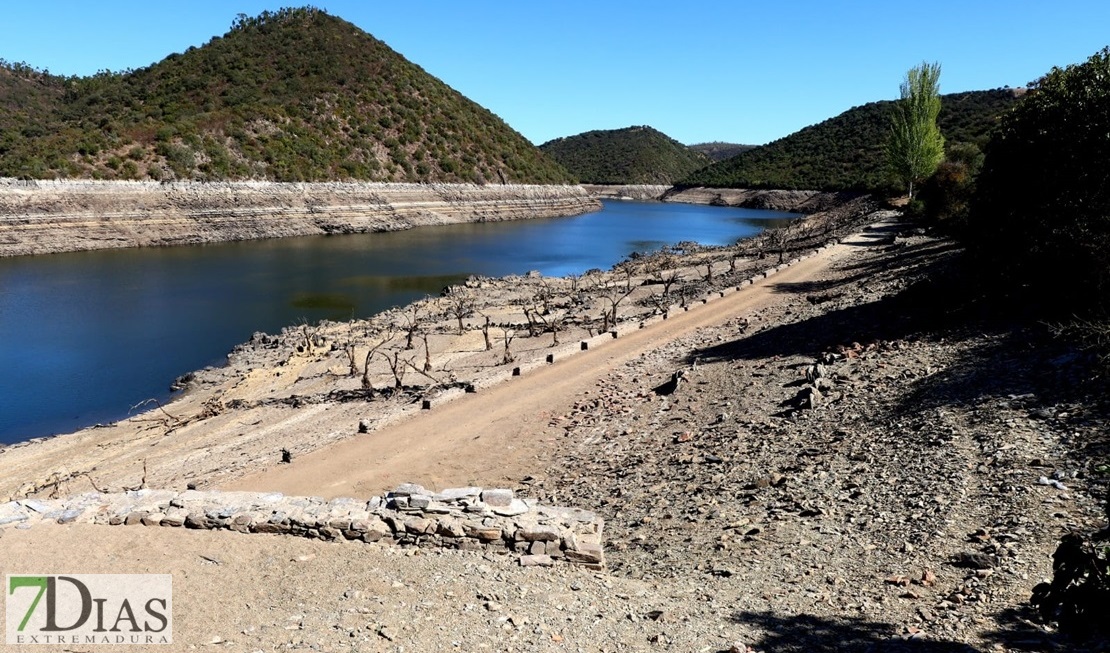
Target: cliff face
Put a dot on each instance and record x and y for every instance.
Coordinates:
(63, 216)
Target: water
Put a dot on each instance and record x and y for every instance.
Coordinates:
(85, 336)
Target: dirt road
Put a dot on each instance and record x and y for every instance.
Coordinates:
(501, 434)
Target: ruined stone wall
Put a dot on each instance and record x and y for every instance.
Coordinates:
(462, 518)
(42, 217)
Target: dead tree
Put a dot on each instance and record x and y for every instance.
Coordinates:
(411, 318)
(614, 296)
(507, 336)
(461, 304)
(366, 384)
(485, 333)
(427, 353)
(397, 366)
(777, 239)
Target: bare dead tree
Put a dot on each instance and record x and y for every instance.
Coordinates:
(308, 334)
(485, 333)
(349, 349)
(733, 257)
(614, 296)
(530, 314)
(427, 353)
(397, 366)
(412, 321)
(460, 303)
(777, 239)
(366, 384)
(507, 336)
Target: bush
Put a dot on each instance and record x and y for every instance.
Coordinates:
(1040, 217)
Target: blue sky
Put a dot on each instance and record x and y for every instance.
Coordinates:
(698, 70)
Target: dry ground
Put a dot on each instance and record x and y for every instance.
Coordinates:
(904, 506)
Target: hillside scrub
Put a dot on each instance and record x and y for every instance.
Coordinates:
(292, 95)
(847, 152)
(633, 155)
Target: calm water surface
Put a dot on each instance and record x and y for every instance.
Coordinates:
(87, 335)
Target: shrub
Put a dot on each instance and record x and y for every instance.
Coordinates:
(1041, 213)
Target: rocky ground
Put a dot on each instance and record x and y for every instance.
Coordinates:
(876, 461)
(873, 458)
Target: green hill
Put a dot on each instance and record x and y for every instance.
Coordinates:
(634, 155)
(292, 95)
(846, 152)
(718, 151)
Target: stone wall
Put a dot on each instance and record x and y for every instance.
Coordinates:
(462, 518)
(42, 217)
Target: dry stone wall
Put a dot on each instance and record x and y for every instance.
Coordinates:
(469, 518)
(42, 217)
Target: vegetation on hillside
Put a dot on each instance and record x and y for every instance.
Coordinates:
(1041, 214)
(633, 155)
(847, 152)
(292, 95)
(718, 151)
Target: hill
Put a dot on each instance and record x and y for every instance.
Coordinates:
(718, 151)
(846, 152)
(292, 95)
(633, 155)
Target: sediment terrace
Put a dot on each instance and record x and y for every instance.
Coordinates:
(795, 201)
(45, 217)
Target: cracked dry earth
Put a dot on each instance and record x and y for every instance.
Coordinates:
(905, 494)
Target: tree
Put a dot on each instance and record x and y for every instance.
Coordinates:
(1040, 217)
(915, 146)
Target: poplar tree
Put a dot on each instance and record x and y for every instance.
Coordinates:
(916, 147)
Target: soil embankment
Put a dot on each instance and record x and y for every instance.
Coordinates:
(795, 201)
(47, 217)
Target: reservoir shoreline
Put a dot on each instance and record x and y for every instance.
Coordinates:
(49, 217)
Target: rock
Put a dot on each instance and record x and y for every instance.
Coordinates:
(971, 560)
(498, 498)
(536, 561)
(515, 507)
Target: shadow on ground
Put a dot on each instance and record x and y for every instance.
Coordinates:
(807, 633)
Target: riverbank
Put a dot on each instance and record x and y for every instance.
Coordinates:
(46, 217)
(839, 456)
(793, 201)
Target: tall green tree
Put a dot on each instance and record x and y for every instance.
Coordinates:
(915, 146)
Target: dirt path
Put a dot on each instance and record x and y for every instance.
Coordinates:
(494, 436)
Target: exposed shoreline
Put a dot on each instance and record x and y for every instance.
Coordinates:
(51, 217)
(48, 217)
(307, 399)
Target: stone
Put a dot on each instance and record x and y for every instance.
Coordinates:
(536, 561)
(537, 532)
(134, 518)
(419, 502)
(498, 498)
(152, 519)
(409, 489)
(481, 532)
(515, 507)
(453, 494)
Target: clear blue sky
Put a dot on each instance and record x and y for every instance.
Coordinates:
(698, 70)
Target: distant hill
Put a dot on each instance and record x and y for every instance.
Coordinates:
(633, 155)
(846, 152)
(718, 151)
(292, 95)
